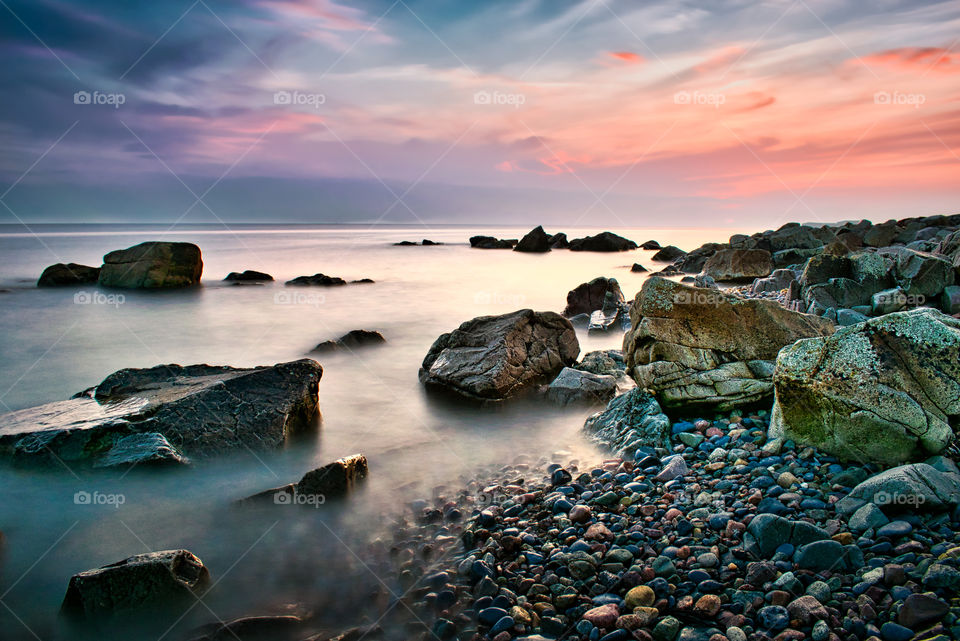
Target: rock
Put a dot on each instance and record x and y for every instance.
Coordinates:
(641, 596)
(773, 617)
(793, 257)
(152, 265)
(559, 241)
(351, 340)
(489, 242)
(604, 616)
(823, 556)
(882, 391)
(173, 411)
(318, 280)
(794, 236)
(669, 254)
(405, 243)
(61, 275)
(688, 346)
(919, 611)
(589, 297)
(257, 628)
(602, 242)
(888, 301)
(426, 242)
(823, 267)
(921, 274)
(704, 281)
(650, 245)
(913, 487)
(536, 241)
(630, 421)
(673, 468)
(847, 317)
(576, 387)
(638, 268)
(495, 357)
(880, 235)
(868, 517)
(778, 280)
(152, 580)
(767, 532)
(807, 610)
(248, 276)
(609, 362)
(738, 265)
(950, 300)
(334, 479)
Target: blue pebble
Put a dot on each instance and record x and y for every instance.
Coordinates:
(489, 616)
(502, 625)
(584, 627)
(682, 426)
(786, 549)
(562, 505)
(579, 546)
(616, 635)
(891, 631)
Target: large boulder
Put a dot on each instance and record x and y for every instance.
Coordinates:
(917, 487)
(165, 413)
(603, 242)
(886, 391)
(923, 274)
(586, 298)
(739, 265)
(152, 265)
(794, 236)
(778, 280)
(61, 275)
(668, 254)
(495, 357)
(577, 387)
(630, 421)
(700, 348)
(536, 241)
(693, 262)
(151, 581)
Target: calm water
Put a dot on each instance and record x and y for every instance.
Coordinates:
(265, 560)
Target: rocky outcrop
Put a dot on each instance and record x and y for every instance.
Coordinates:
(62, 275)
(489, 242)
(630, 421)
(690, 348)
(152, 265)
(536, 241)
(603, 242)
(351, 340)
(668, 254)
(738, 265)
(168, 412)
(496, 357)
(577, 387)
(248, 276)
(589, 297)
(152, 581)
(885, 391)
(650, 245)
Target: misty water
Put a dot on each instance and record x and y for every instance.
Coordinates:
(270, 559)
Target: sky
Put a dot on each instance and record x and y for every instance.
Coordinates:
(618, 113)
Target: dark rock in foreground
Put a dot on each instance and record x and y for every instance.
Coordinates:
(165, 413)
(248, 276)
(603, 242)
(536, 241)
(351, 340)
(495, 357)
(61, 275)
(152, 265)
(153, 581)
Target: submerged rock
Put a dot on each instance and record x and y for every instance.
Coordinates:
(689, 346)
(351, 340)
(146, 581)
(536, 241)
(317, 279)
(165, 413)
(331, 481)
(603, 242)
(495, 357)
(61, 275)
(248, 276)
(152, 265)
(630, 421)
(885, 391)
(489, 242)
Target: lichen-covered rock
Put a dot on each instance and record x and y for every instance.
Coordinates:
(146, 581)
(61, 275)
(495, 357)
(923, 274)
(690, 346)
(886, 391)
(197, 410)
(735, 265)
(630, 421)
(152, 265)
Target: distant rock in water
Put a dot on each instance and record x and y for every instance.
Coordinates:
(496, 357)
(61, 275)
(168, 412)
(602, 242)
(489, 242)
(351, 340)
(333, 480)
(248, 276)
(426, 242)
(586, 298)
(151, 582)
(320, 280)
(536, 241)
(361, 281)
(650, 244)
(152, 265)
(559, 241)
(638, 268)
(668, 254)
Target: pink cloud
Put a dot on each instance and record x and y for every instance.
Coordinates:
(627, 56)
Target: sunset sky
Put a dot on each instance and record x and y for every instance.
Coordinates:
(735, 113)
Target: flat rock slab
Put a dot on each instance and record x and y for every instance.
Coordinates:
(168, 412)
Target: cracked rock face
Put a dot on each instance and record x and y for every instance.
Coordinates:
(168, 412)
(496, 357)
(885, 391)
(703, 349)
